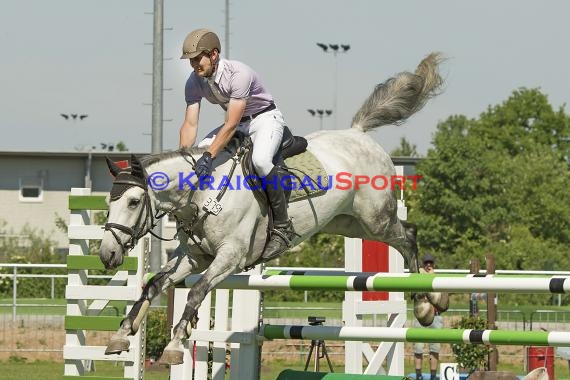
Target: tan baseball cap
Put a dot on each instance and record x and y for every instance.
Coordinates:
(198, 41)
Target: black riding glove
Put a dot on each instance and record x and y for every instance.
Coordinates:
(204, 165)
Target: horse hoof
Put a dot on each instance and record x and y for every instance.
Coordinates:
(539, 373)
(116, 346)
(172, 357)
(423, 311)
(441, 302)
(434, 298)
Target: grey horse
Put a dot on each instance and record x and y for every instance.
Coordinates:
(224, 235)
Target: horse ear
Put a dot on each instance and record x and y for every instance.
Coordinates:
(136, 167)
(113, 167)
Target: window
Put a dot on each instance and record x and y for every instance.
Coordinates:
(31, 190)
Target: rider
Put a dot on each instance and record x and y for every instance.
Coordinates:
(249, 108)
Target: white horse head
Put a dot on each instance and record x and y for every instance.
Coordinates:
(130, 213)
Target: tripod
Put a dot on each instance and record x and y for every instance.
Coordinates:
(320, 352)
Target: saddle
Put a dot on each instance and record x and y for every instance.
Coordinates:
(292, 148)
(293, 160)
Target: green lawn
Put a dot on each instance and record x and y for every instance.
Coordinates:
(269, 371)
(301, 309)
(329, 310)
(54, 370)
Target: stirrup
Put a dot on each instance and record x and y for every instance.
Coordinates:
(284, 235)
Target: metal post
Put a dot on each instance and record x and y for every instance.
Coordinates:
(473, 269)
(227, 42)
(157, 71)
(14, 292)
(335, 108)
(334, 49)
(52, 287)
(491, 314)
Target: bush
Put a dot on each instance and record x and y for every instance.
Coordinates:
(157, 335)
(470, 356)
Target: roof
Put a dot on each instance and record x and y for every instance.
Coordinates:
(59, 154)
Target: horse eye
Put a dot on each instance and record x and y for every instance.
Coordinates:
(134, 202)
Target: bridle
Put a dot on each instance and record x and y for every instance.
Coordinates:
(136, 231)
(125, 180)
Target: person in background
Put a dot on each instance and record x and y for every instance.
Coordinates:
(428, 263)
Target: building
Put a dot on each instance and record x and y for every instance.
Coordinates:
(34, 189)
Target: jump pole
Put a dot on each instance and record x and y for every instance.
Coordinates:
(395, 282)
(496, 337)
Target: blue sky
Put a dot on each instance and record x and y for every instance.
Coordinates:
(92, 57)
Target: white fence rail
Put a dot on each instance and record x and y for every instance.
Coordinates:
(15, 273)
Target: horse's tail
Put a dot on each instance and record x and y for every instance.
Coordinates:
(398, 98)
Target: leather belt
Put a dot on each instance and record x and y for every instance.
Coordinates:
(251, 117)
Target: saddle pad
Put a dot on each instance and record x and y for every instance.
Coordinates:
(312, 180)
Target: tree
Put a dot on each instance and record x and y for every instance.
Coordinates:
(405, 149)
(27, 246)
(498, 184)
(121, 147)
(472, 357)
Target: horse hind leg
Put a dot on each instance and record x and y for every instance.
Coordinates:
(403, 236)
(400, 235)
(406, 244)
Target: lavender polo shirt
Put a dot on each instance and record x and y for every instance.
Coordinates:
(234, 80)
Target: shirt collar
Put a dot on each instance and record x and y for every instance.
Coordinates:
(219, 70)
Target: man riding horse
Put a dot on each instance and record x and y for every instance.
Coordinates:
(232, 236)
(250, 109)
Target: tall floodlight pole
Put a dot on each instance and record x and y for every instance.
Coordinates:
(320, 114)
(227, 42)
(335, 49)
(157, 70)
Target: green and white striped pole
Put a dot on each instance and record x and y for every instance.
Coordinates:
(397, 282)
(391, 334)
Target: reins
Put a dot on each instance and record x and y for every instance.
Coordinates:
(212, 206)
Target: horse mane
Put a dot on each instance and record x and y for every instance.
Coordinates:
(151, 159)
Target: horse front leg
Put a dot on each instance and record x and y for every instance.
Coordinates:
(226, 262)
(174, 271)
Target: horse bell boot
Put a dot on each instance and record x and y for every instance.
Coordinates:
(282, 233)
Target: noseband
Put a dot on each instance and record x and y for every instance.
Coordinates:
(125, 182)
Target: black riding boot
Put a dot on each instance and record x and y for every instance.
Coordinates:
(282, 233)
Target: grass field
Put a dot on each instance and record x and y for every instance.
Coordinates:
(275, 309)
(330, 310)
(10, 370)
(19, 369)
